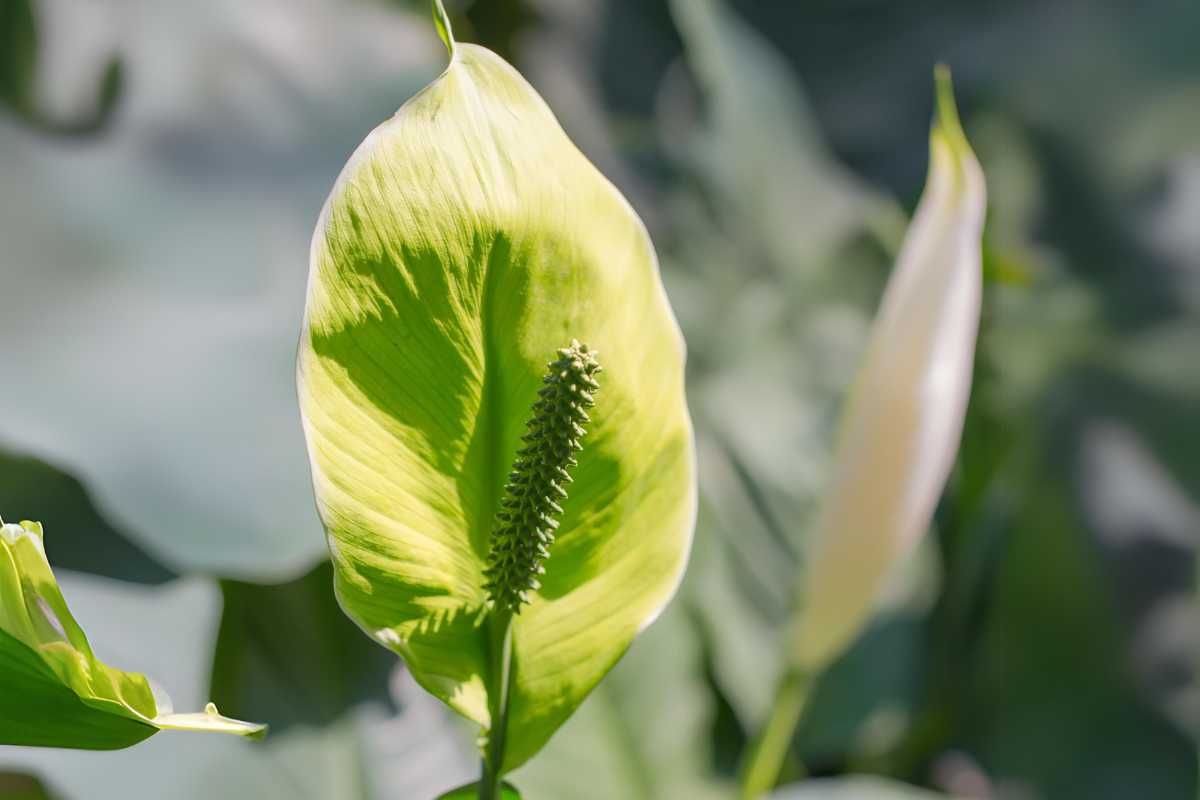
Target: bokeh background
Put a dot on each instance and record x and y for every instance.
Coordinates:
(162, 164)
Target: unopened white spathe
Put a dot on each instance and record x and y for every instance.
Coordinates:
(902, 423)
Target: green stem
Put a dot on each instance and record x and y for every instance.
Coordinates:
(501, 655)
(761, 770)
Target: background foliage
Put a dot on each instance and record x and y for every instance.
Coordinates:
(161, 168)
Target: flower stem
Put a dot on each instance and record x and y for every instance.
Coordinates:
(761, 770)
(500, 624)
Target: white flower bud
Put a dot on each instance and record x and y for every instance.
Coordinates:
(901, 425)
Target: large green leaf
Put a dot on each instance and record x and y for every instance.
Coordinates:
(465, 241)
(54, 692)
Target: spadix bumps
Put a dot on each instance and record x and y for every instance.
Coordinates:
(466, 241)
(529, 513)
(54, 692)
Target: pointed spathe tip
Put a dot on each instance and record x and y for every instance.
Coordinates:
(210, 720)
(945, 119)
(442, 20)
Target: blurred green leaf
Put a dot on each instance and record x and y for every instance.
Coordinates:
(20, 786)
(788, 336)
(436, 298)
(288, 654)
(761, 152)
(1134, 286)
(83, 541)
(192, 449)
(734, 603)
(853, 788)
(18, 52)
(862, 703)
(1148, 531)
(1054, 600)
(19, 45)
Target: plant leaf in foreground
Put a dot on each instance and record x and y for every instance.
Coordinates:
(54, 692)
(464, 244)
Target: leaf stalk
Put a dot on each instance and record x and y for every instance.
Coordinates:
(501, 653)
(761, 770)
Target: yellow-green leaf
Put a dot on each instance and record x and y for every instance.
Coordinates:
(54, 692)
(465, 242)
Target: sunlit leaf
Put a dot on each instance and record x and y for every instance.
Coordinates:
(900, 430)
(55, 692)
(464, 243)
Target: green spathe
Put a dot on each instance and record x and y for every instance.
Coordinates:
(54, 692)
(465, 241)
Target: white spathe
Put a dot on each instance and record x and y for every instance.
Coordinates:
(902, 423)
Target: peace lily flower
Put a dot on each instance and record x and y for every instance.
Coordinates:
(899, 432)
(491, 384)
(904, 417)
(54, 692)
